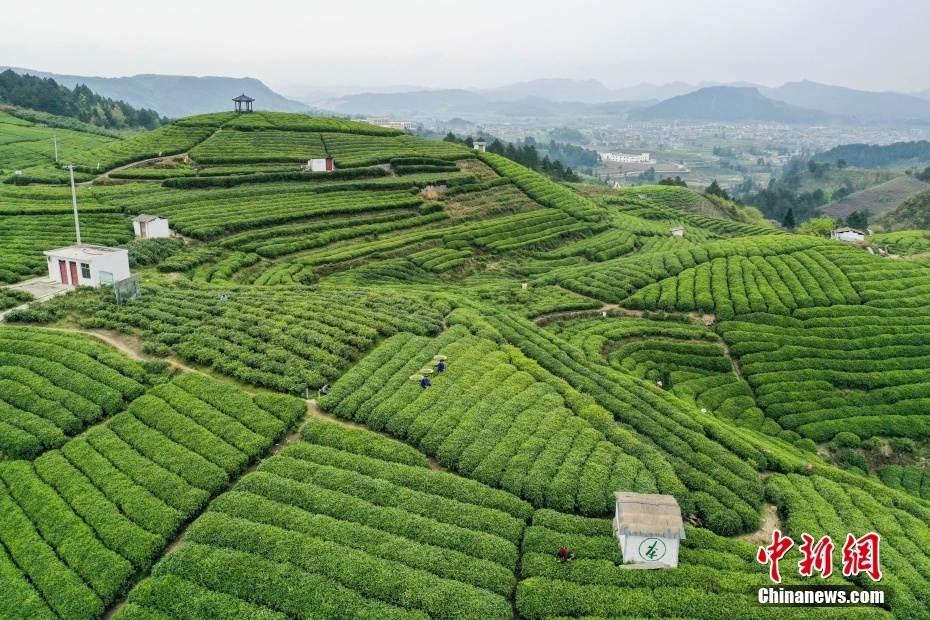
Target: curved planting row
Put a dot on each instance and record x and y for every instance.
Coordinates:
(600, 247)
(440, 259)
(300, 269)
(617, 279)
(246, 147)
(168, 140)
(903, 242)
(713, 462)
(887, 283)
(843, 368)
(52, 385)
(294, 122)
(487, 418)
(341, 532)
(738, 285)
(686, 358)
(714, 577)
(544, 191)
(83, 522)
(478, 200)
(286, 340)
(208, 217)
(912, 479)
(522, 230)
(673, 203)
(350, 151)
(48, 201)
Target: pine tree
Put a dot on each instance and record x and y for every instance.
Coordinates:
(788, 221)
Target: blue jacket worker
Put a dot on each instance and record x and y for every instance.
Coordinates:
(441, 366)
(424, 383)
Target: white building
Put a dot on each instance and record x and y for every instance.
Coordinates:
(150, 227)
(391, 123)
(677, 231)
(847, 234)
(87, 265)
(320, 164)
(623, 158)
(648, 528)
(480, 145)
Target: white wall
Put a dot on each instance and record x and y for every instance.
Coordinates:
(318, 165)
(116, 264)
(630, 547)
(153, 230)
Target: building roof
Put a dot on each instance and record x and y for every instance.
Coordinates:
(84, 252)
(674, 228)
(145, 218)
(243, 97)
(641, 514)
(848, 229)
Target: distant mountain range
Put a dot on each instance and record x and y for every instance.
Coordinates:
(856, 104)
(454, 102)
(795, 102)
(729, 103)
(175, 96)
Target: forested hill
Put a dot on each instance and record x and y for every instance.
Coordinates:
(47, 95)
(878, 156)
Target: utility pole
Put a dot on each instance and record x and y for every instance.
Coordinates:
(77, 223)
(55, 140)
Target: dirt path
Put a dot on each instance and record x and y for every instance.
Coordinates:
(770, 522)
(610, 309)
(697, 318)
(130, 346)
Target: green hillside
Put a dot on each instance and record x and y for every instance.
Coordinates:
(879, 200)
(261, 445)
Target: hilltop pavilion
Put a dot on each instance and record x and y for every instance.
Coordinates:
(243, 103)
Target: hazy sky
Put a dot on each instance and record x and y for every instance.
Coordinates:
(478, 43)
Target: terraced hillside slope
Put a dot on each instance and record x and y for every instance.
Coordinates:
(276, 439)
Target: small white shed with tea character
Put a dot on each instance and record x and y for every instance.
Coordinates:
(648, 528)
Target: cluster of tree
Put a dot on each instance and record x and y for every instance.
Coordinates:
(573, 156)
(725, 151)
(567, 134)
(776, 200)
(877, 156)
(46, 95)
(524, 153)
(676, 182)
(923, 175)
(818, 169)
(714, 189)
(821, 226)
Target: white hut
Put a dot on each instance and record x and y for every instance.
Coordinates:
(480, 145)
(847, 234)
(150, 227)
(648, 528)
(677, 231)
(320, 164)
(87, 265)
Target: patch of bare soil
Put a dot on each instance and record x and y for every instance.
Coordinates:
(770, 522)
